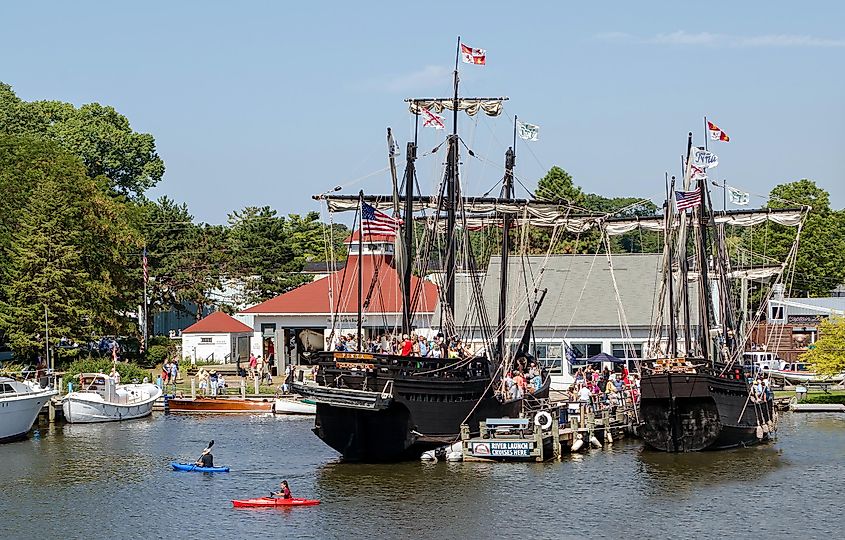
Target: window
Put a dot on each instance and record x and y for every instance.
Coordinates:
(205, 340)
(548, 355)
(268, 329)
(627, 350)
(586, 350)
(6, 389)
(777, 313)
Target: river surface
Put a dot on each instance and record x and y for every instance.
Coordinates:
(113, 481)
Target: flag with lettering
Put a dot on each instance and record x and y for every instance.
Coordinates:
(376, 222)
(432, 120)
(717, 134)
(687, 199)
(701, 158)
(529, 132)
(471, 55)
(738, 197)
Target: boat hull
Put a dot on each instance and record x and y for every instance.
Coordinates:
(88, 408)
(269, 502)
(18, 414)
(211, 405)
(293, 406)
(688, 412)
(190, 467)
(405, 429)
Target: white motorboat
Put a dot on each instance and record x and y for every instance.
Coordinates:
(20, 403)
(101, 399)
(293, 406)
(799, 373)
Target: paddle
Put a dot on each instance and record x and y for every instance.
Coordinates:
(210, 444)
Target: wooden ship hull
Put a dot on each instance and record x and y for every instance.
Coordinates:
(219, 405)
(386, 408)
(688, 412)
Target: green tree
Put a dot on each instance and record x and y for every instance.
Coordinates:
(558, 185)
(820, 263)
(98, 134)
(45, 248)
(827, 356)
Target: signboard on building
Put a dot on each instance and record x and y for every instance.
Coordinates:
(805, 319)
(501, 449)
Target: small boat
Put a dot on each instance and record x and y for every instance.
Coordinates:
(219, 405)
(271, 502)
(192, 467)
(799, 373)
(101, 399)
(20, 403)
(294, 406)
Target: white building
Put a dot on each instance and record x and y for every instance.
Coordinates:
(217, 338)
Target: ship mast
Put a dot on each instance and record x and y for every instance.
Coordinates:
(451, 202)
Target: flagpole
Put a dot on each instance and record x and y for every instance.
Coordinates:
(146, 314)
(514, 134)
(705, 133)
(455, 99)
(360, 266)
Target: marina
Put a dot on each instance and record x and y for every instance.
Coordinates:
(328, 270)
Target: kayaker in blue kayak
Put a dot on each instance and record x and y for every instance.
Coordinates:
(206, 459)
(284, 491)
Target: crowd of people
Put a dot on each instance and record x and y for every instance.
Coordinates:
(602, 389)
(520, 382)
(405, 345)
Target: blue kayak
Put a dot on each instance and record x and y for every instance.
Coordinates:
(190, 467)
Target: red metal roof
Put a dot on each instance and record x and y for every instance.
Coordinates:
(370, 238)
(381, 282)
(217, 323)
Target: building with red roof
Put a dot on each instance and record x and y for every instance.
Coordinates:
(217, 337)
(308, 313)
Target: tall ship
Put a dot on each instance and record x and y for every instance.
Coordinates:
(376, 405)
(696, 392)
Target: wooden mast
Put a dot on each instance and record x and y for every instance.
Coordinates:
(407, 257)
(360, 266)
(507, 219)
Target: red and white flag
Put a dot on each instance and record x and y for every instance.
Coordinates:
(377, 222)
(473, 56)
(432, 119)
(717, 134)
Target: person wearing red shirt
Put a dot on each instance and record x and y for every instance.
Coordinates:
(407, 345)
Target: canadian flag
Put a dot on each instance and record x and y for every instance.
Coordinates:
(473, 56)
(717, 134)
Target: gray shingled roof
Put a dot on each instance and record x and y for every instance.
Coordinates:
(581, 283)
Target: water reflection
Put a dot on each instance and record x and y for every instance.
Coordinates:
(669, 475)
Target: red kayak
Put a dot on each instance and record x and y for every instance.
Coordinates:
(269, 502)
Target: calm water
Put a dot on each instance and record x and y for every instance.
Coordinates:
(113, 480)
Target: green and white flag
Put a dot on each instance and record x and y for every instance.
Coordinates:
(529, 132)
(738, 197)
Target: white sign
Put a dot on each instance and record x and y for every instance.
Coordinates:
(702, 158)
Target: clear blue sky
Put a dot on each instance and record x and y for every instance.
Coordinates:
(255, 103)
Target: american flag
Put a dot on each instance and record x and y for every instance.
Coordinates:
(688, 199)
(144, 265)
(377, 222)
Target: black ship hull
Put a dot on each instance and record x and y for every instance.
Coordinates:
(688, 412)
(394, 408)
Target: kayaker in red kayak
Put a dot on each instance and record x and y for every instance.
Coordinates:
(284, 491)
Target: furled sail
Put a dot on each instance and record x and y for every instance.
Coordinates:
(471, 106)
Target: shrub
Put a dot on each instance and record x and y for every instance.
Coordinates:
(157, 354)
(128, 372)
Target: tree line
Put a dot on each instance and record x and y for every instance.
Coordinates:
(75, 223)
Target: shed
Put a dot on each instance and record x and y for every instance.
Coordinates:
(217, 338)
